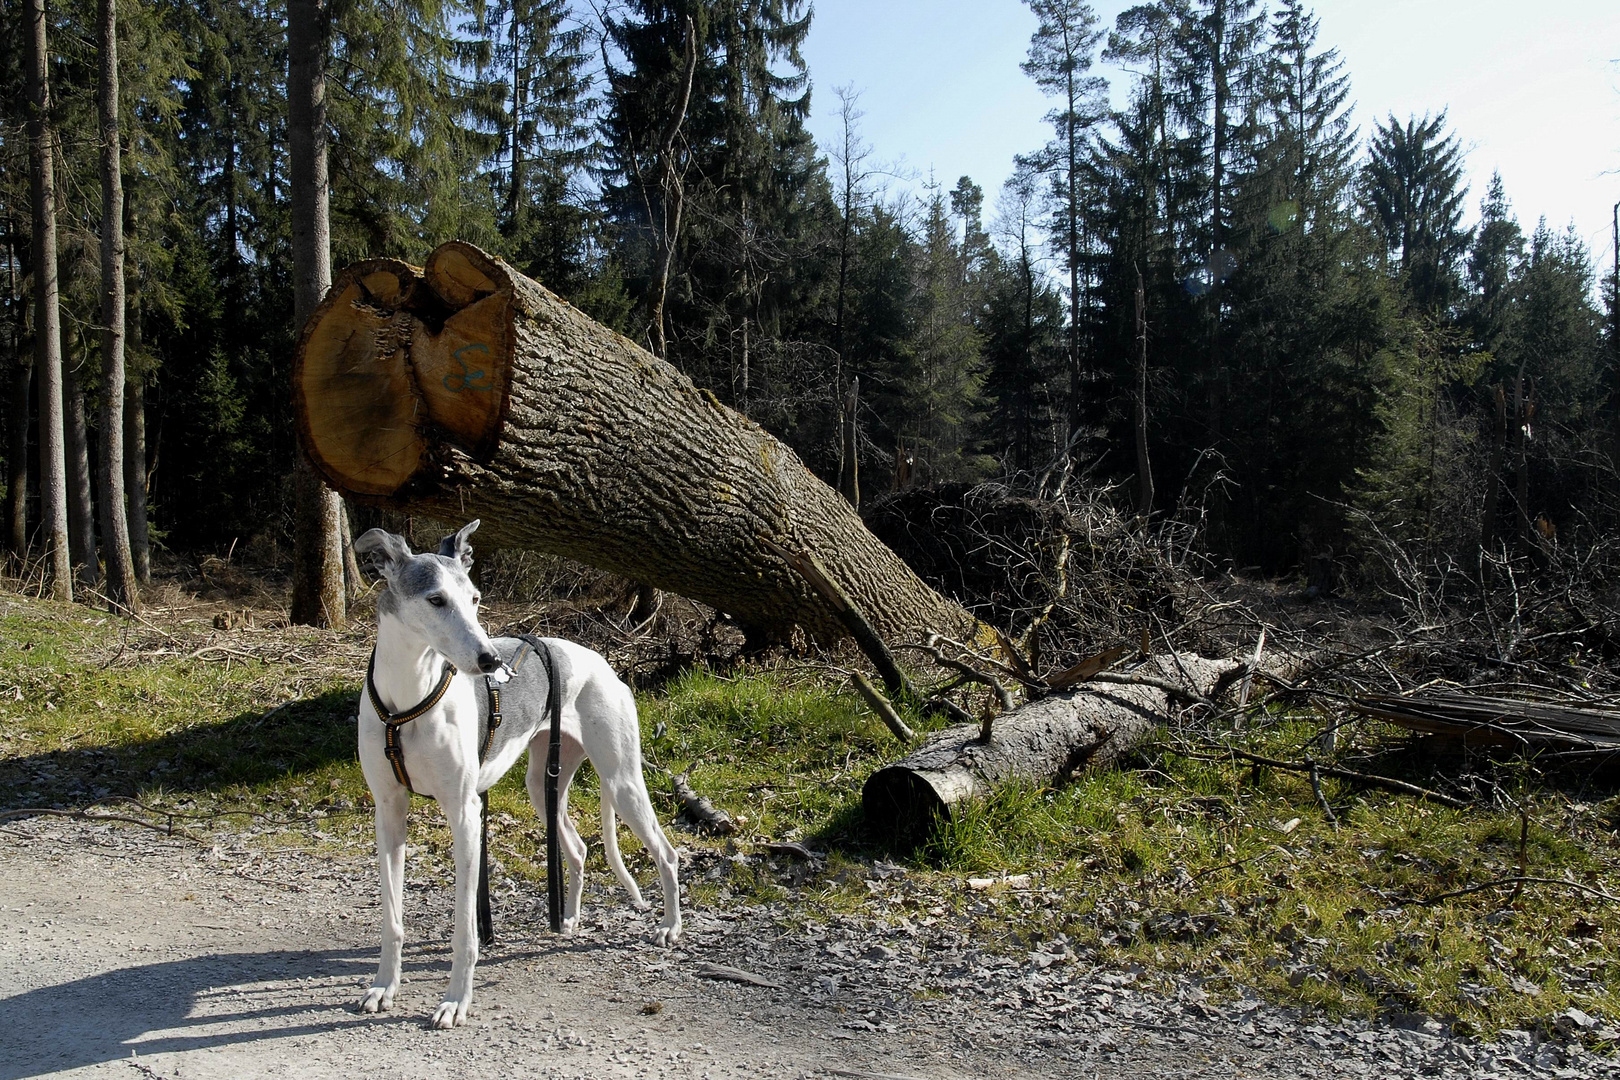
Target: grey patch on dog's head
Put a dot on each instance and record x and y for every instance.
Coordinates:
(457, 547)
(418, 577)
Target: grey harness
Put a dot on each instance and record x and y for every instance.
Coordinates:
(490, 720)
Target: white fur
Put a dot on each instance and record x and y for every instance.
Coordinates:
(414, 636)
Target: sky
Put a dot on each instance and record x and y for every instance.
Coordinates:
(1531, 89)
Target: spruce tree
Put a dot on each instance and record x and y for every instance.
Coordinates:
(1061, 53)
(546, 140)
(53, 485)
(122, 588)
(1412, 186)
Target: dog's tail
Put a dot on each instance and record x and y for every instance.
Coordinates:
(610, 849)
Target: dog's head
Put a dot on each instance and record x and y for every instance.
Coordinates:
(432, 596)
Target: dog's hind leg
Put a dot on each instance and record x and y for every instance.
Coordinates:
(610, 849)
(393, 803)
(628, 791)
(463, 815)
(572, 844)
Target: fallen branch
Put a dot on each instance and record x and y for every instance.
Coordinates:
(963, 668)
(725, 973)
(701, 810)
(881, 705)
(84, 815)
(1044, 742)
(1307, 766)
(1518, 881)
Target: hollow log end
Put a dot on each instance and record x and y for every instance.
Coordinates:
(397, 361)
(901, 803)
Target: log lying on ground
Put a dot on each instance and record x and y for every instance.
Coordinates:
(1475, 720)
(1044, 742)
(464, 389)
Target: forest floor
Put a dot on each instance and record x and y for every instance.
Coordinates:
(1185, 918)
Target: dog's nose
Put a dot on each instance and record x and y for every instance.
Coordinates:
(488, 662)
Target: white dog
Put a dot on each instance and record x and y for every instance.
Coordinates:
(423, 675)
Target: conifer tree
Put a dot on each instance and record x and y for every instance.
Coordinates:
(1024, 419)
(318, 596)
(1413, 190)
(1493, 266)
(53, 485)
(1060, 56)
(546, 139)
(122, 588)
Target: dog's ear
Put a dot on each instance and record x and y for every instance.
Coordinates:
(457, 546)
(387, 550)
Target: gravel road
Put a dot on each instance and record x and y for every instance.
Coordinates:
(123, 952)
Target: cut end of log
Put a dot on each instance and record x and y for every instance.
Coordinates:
(903, 804)
(397, 359)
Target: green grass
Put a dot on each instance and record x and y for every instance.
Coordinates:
(1179, 866)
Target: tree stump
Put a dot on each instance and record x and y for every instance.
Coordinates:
(464, 389)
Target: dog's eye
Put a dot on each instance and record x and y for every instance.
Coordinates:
(477, 599)
(436, 601)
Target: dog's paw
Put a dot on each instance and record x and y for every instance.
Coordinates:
(377, 999)
(571, 926)
(449, 1014)
(641, 905)
(666, 936)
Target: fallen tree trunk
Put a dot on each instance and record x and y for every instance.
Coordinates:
(1044, 742)
(464, 389)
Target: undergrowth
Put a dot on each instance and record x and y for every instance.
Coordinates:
(1178, 866)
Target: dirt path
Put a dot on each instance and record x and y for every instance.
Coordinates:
(122, 952)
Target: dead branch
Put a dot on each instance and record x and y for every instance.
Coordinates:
(881, 705)
(1517, 881)
(1388, 783)
(699, 809)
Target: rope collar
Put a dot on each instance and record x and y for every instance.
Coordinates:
(392, 722)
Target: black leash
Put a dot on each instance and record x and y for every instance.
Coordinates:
(554, 870)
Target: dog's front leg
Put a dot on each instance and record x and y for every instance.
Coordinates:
(393, 804)
(463, 817)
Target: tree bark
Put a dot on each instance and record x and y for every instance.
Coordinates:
(17, 416)
(467, 390)
(318, 598)
(1044, 742)
(22, 378)
(121, 584)
(135, 476)
(81, 485)
(47, 313)
(849, 475)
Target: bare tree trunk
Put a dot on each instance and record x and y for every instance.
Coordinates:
(351, 565)
(666, 223)
(81, 485)
(47, 315)
(22, 378)
(1493, 474)
(1522, 408)
(1144, 468)
(568, 438)
(135, 477)
(318, 597)
(121, 583)
(849, 477)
